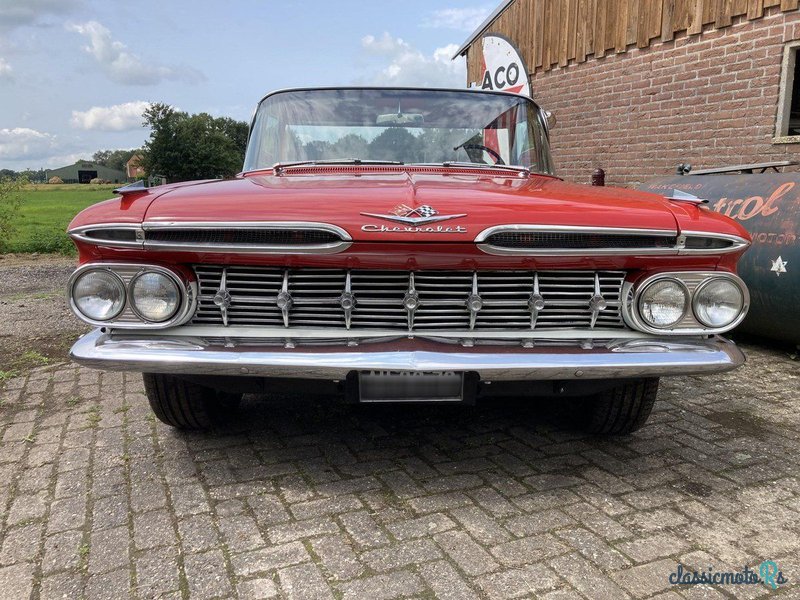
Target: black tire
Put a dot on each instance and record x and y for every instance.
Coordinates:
(186, 405)
(624, 408)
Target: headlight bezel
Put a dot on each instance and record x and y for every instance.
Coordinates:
(78, 277)
(132, 302)
(128, 318)
(742, 310)
(687, 302)
(689, 324)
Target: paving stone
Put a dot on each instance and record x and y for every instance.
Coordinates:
(466, 553)
(401, 555)
(20, 544)
(109, 586)
(645, 580)
(16, 581)
(586, 578)
(301, 529)
(445, 581)
(304, 582)
(653, 546)
(108, 549)
(257, 589)
(157, 573)
(198, 533)
(383, 587)
(518, 582)
(338, 557)
(153, 529)
(62, 551)
(267, 559)
(421, 526)
(206, 575)
(363, 529)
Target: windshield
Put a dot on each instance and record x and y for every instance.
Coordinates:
(408, 126)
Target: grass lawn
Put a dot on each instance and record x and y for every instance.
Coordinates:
(45, 213)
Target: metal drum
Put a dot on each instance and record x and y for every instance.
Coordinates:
(768, 206)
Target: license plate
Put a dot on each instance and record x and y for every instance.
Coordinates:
(399, 386)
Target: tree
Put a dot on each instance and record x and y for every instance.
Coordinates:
(184, 147)
(114, 159)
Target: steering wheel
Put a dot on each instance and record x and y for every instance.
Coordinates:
(495, 155)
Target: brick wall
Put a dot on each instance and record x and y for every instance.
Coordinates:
(709, 100)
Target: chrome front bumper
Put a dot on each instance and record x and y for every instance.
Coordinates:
(607, 359)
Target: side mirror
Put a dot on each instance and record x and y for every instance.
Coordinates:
(550, 119)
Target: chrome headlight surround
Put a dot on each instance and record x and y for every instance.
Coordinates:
(689, 324)
(137, 310)
(712, 280)
(687, 301)
(128, 318)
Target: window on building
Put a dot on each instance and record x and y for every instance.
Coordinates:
(787, 128)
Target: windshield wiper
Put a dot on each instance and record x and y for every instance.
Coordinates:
(281, 166)
(470, 165)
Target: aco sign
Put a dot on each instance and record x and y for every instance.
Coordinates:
(503, 67)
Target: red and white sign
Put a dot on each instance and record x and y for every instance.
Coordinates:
(503, 67)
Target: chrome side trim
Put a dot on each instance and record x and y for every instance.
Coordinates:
(81, 234)
(614, 359)
(128, 318)
(331, 248)
(481, 240)
(736, 243)
(688, 324)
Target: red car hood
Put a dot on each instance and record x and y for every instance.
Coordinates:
(341, 197)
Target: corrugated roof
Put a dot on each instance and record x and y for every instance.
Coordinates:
(483, 27)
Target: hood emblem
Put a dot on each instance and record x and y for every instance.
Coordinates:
(422, 215)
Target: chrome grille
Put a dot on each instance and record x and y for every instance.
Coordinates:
(243, 295)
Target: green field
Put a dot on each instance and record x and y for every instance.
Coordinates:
(46, 211)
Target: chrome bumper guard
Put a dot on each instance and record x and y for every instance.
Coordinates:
(622, 358)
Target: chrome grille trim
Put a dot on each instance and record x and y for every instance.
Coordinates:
(407, 301)
(256, 237)
(555, 240)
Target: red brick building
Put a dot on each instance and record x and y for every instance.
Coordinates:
(639, 86)
(134, 168)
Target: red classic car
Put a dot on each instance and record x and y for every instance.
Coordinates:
(402, 245)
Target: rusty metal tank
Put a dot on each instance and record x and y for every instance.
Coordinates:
(768, 206)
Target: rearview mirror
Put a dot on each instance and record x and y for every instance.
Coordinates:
(401, 119)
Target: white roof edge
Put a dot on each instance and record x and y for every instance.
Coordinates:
(482, 27)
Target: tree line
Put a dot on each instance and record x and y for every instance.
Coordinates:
(181, 147)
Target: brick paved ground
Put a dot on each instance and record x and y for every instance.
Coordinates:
(303, 499)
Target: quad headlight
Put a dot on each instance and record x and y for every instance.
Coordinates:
(718, 302)
(687, 302)
(154, 296)
(663, 303)
(98, 294)
(130, 295)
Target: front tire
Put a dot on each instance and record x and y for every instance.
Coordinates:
(622, 409)
(186, 405)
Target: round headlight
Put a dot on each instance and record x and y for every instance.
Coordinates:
(99, 295)
(154, 296)
(718, 302)
(663, 303)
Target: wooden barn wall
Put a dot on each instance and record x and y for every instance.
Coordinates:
(552, 33)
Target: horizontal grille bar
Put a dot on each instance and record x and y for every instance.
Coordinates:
(408, 301)
(280, 237)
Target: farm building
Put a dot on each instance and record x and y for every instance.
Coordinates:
(639, 86)
(84, 171)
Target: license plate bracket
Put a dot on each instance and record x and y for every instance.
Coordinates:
(376, 387)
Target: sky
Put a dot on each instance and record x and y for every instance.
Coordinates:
(75, 75)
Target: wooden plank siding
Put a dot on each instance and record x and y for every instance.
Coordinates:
(556, 33)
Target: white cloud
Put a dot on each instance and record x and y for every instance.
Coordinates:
(409, 66)
(463, 19)
(18, 13)
(118, 117)
(6, 72)
(22, 143)
(123, 66)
